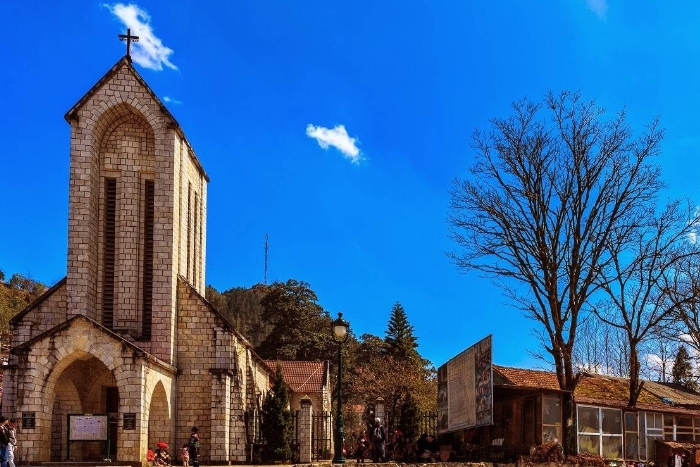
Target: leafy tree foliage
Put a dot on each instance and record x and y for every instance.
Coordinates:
(399, 334)
(409, 421)
(243, 308)
(682, 371)
(300, 327)
(391, 368)
(548, 201)
(276, 423)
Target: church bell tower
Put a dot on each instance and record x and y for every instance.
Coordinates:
(137, 211)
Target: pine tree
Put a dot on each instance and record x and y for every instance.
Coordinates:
(276, 424)
(399, 338)
(408, 419)
(682, 372)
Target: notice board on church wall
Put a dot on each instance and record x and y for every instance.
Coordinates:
(87, 427)
(465, 389)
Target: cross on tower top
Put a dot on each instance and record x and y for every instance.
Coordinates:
(129, 39)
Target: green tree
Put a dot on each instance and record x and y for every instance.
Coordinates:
(276, 423)
(399, 334)
(380, 369)
(409, 421)
(682, 372)
(300, 327)
(548, 198)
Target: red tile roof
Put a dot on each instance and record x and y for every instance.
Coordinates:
(601, 390)
(535, 379)
(302, 377)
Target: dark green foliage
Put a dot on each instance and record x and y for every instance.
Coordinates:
(409, 420)
(682, 372)
(242, 307)
(300, 328)
(276, 424)
(399, 338)
(282, 321)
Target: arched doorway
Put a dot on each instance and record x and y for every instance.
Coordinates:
(159, 422)
(85, 386)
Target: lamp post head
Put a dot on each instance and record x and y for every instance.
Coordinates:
(340, 329)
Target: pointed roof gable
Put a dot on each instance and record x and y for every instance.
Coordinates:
(301, 376)
(125, 62)
(38, 301)
(26, 346)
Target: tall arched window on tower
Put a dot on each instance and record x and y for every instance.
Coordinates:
(108, 256)
(195, 258)
(147, 286)
(189, 230)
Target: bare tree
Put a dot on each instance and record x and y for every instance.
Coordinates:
(600, 348)
(544, 200)
(658, 352)
(683, 290)
(637, 302)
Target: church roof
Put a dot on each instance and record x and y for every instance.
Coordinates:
(67, 324)
(47, 293)
(125, 61)
(302, 376)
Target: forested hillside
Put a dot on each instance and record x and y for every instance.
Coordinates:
(15, 294)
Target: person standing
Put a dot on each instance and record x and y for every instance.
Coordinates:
(194, 447)
(11, 428)
(378, 437)
(185, 455)
(4, 441)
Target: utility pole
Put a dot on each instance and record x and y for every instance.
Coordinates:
(267, 246)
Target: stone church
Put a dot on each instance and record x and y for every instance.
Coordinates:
(125, 346)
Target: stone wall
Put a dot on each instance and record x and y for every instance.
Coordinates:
(219, 376)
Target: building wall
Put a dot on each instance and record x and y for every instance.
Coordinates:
(68, 371)
(51, 311)
(219, 379)
(122, 132)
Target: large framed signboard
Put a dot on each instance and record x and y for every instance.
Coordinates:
(84, 427)
(88, 427)
(465, 389)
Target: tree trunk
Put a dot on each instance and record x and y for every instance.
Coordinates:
(569, 424)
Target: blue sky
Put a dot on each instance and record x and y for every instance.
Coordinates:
(337, 129)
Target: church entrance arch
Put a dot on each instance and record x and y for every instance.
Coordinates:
(159, 421)
(85, 386)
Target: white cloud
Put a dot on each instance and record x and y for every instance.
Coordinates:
(170, 100)
(149, 51)
(338, 138)
(599, 7)
(693, 232)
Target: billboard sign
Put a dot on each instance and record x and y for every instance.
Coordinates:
(465, 389)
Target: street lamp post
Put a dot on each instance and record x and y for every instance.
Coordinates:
(340, 335)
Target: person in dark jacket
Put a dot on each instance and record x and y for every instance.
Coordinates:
(378, 438)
